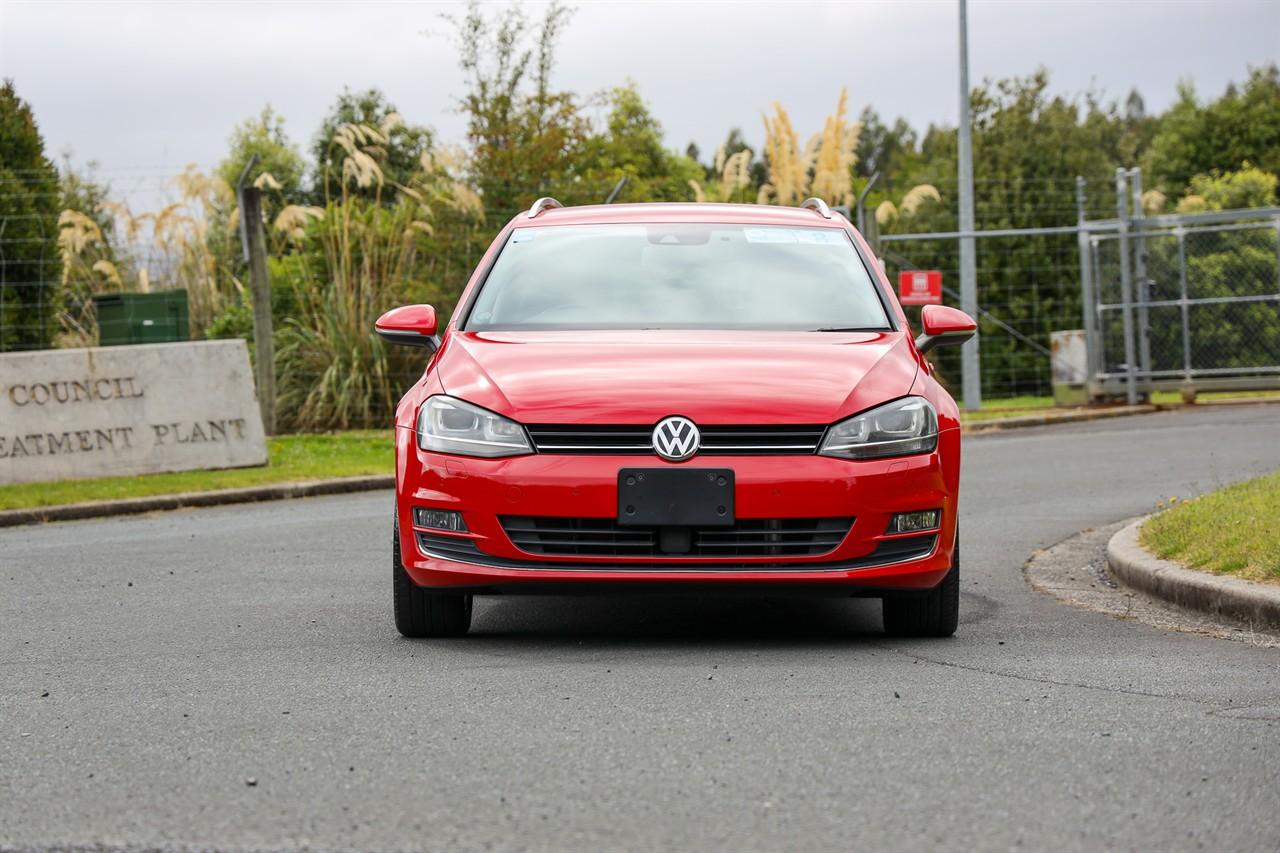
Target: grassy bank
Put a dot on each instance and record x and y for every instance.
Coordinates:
(1232, 531)
(292, 458)
(1015, 407)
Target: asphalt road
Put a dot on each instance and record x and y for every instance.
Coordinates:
(231, 678)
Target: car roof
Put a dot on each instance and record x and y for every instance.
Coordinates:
(747, 214)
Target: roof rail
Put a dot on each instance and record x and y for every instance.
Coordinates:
(818, 205)
(544, 203)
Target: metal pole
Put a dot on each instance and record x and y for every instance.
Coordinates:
(1186, 320)
(1126, 288)
(1088, 309)
(264, 366)
(244, 233)
(1277, 224)
(861, 204)
(617, 189)
(1140, 283)
(970, 372)
(1095, 274)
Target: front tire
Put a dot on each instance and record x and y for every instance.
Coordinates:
(934, 614)
(423, 613)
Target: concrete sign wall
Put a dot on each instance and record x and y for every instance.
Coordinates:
(100, 412)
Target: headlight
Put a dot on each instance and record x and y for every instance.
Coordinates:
(900, 428)
(448, 425)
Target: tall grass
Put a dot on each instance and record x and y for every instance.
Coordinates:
(823, 167)
(353, 259)
(733, 173)
(333, 370)
(190, 243)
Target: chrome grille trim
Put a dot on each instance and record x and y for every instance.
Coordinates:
(920, 548)
(638, 439)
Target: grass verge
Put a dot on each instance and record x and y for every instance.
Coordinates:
(1017, 407)
(1228, 532)
(292, 458)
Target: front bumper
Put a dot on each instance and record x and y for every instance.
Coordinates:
(586, 487)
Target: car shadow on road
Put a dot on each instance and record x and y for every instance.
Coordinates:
(678, 617)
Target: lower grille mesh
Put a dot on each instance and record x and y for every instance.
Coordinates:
(748, 537)
(457, 547)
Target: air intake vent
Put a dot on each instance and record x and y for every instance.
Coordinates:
(748, 537)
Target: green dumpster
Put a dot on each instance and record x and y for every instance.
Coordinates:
(141, 318)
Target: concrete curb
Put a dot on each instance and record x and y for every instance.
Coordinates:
(128, 506)
(1255, 604)
(1235, 401)
(1112, 412)
(1066, 418)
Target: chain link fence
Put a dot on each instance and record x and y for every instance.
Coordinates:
(1204, 303)
(30, 266)
(1205, 306)
(1029, 286)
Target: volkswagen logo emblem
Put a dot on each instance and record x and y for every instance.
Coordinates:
(676, 438)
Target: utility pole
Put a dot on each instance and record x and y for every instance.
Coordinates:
(971, 376)
(254, 242)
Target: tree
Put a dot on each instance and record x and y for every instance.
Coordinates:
(1248, 187)
(882, 148)
(402, 153)
(525, 139)
(691, 151)
(278, 158)
(630, 146)
(29, 263)
(1243, 124)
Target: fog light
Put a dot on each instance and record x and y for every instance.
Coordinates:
(439, 519)
(914, 522)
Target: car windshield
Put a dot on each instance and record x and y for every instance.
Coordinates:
(678, 276)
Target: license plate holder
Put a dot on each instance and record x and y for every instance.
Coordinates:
(683, 497)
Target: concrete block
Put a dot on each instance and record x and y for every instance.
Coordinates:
(108, 411)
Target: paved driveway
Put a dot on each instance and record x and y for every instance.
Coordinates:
(231, 678)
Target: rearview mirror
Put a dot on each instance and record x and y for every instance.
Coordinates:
(408, 325)
(944, 326)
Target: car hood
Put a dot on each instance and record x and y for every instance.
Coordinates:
(638, 377)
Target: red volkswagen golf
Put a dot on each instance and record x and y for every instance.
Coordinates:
(692, 395)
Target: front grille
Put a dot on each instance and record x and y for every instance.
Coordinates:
(888, 552)
(716, 440)
(747, 537)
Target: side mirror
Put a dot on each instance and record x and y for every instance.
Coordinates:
(409, 325)
(944, 326)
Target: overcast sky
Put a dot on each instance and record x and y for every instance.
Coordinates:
(147, 87)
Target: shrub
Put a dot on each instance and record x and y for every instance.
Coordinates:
(349, 261)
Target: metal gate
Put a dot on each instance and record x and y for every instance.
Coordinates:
(1186, 301)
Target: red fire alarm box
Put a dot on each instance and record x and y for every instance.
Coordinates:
(920, 287)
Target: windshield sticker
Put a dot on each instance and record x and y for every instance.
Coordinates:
(821, 237)
(769, 235)
(807, 236)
